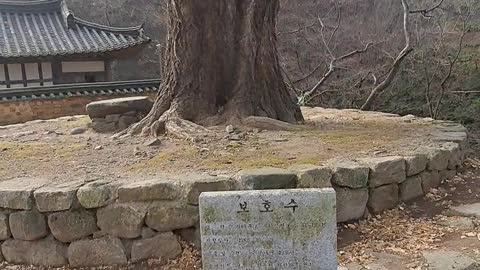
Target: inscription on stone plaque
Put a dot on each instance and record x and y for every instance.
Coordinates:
(269, 230)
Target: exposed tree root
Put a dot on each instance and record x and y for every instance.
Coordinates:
(168, 124)
(184, 129)
(172, 125)
(266, 123)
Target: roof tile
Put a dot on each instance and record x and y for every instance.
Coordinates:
(47, 28)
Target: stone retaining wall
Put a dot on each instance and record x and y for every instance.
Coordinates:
(113, 223)
(21, 111)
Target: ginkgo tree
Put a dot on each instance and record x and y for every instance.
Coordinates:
(221, 66)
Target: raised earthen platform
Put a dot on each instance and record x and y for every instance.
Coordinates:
(88, 200)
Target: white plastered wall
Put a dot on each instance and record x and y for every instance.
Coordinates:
(15, 74)
(83, 66)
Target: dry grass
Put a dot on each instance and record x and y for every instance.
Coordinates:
(46, 149)
(37, 150)
(80, 121)
(274, 149)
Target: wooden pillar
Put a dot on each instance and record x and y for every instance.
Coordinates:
(24, 75)
(7, 75)
(108, 70)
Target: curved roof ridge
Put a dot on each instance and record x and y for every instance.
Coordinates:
(134, 30)
(27, 2)
(35, 5)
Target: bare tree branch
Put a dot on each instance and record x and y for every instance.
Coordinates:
(466, 92)
(451, 67)
(332, 67)
(396, 64)
(322, 34)
(309, 74)
(337, 26)
(425, 12)
(297, 30)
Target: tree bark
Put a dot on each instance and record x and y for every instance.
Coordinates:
(221, 67)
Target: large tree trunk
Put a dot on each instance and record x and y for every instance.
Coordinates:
(221, 67)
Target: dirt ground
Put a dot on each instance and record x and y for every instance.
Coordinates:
(46, 149)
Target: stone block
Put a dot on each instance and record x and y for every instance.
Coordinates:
(164, 217)
(411, 188)
(460, 138)
(459, 223)
(416, 164)
(103, 127)
(28, 225)
(149, 190)
(456, 155)
(17, 193)
(192, 236)
(127, 246)
(4, 227)
(449, 260)
(72, 225)
(351, 203)
(118, 106)
(46, 252)
(386, 170)
(447, 174)
(266, 178)
(97, 194)
(98, 120)
(349, 174)
(383, 198)
(164, 246)
(438, 159)
(203, 183)
(467, 210)
(311, 176)
(430, 180)
(148, 233)
(125, 121)
(122, 220)
(272, 228)
(133, 113)
(107, 251)
(112, 118)
(54, 198)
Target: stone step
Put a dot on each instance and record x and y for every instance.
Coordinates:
(449, 260)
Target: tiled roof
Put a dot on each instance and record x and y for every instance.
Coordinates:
(48, 28)
(82, 89)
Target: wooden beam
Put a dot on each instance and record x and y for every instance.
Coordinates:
(24, 75)
(40, 73)
(7, 75)
(28, 81)
(466, 92)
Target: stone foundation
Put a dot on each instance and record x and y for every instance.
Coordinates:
(114, 223)
(118, 114)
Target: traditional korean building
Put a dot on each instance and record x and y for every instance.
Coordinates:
(42, 43)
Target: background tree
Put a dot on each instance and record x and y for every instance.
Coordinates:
(221, 67)
(306, 60)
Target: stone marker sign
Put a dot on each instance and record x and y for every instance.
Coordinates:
(269, 230)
